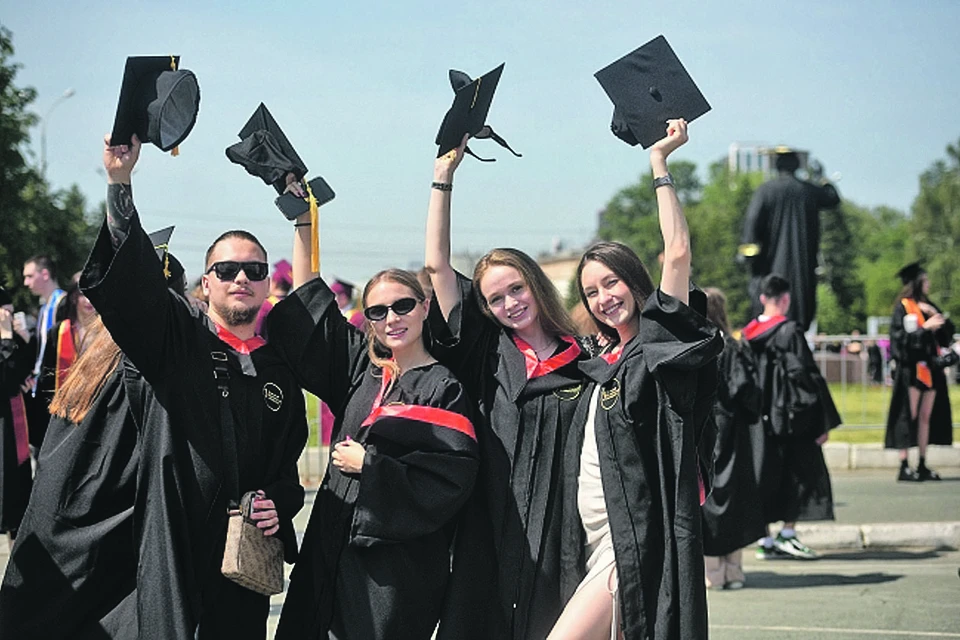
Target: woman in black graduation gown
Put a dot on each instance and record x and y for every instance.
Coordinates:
(15, 473)
(634, 523)
(507, 337)
(732, 513)
(920, 406)
(375, 559)
(73, 572)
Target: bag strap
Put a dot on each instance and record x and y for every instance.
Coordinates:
(228, 440)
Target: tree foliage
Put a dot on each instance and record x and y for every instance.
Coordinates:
(861, 248)
(33, 218)
(936, 228)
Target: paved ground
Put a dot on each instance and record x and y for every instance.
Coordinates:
(873, 495)
(845, 595)
(896, 594)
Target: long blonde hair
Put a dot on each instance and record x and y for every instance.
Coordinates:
(87, 375)
(380, 355)
(551, 314)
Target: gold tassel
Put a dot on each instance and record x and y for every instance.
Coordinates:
(175, 151)
(314, 230)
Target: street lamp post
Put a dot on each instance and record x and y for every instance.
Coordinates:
(43, 131)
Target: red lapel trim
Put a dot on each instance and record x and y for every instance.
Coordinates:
(757, 328)
(66, 353)
(431, 415)
(245, 347)
(536, 367)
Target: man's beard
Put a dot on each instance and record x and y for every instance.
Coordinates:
(236, 316)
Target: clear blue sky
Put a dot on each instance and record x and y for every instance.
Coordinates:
(870, 87)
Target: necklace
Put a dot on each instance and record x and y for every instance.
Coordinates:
(549, 348)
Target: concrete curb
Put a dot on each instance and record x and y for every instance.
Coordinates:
(881, 536)
(845, 456)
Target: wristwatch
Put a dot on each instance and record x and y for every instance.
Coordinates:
(662, 181)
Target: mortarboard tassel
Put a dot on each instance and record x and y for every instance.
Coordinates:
(176, 150)
(314, 230)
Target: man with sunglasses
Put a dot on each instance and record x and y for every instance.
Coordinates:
(220, 415)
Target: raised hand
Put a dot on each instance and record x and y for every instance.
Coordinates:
(675, 138)
(119, 161)
(445, 166)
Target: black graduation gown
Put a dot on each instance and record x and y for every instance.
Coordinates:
(783, 219)
(181, 514)
(507, 555)
(791, 471)
(908, 349)
(375, 558)
(15, 479)
(73, 571)
(732, 513)
(646, 429)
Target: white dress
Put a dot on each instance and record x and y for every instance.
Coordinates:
(593, 512)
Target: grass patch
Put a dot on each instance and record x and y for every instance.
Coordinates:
(863, 409)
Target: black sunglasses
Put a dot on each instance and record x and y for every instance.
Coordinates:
(401, 307)
(228, 270)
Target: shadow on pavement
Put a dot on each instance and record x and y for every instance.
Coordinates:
(770, 580)
(882, 554)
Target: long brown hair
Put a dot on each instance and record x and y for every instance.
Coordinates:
(379, 354)
(551, 314)
(87, 375)
(717, 309)
(627, 266)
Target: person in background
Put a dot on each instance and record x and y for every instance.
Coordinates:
(732, 513)
(344, 292)
(792, 475)
(920, 412)
(66, 340)
(281, 281)
(781, 234)
(16, 362)
(40, 276)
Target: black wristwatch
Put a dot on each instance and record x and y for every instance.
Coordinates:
(662, 181)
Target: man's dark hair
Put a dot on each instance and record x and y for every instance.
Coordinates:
(234, 233)
(787, 162)
(773, 286)
(42, 261)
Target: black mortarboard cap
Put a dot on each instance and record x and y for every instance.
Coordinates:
(468, 114)
(172, 269)
(648, 87)
(5, 297)
(910, 272)
(265, 152)
(158, 101)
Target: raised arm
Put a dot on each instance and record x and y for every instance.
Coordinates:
(675, 278)
(437, 249)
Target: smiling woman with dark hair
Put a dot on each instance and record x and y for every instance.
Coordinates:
(634, 491)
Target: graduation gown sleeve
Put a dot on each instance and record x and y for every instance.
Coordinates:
(422, 486)
(152, 325)
(462, 341)
(325, 352)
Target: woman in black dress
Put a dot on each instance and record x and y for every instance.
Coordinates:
(919, 407)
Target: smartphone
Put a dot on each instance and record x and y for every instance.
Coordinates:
(20, 320)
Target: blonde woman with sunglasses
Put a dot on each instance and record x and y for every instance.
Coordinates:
(375, 560)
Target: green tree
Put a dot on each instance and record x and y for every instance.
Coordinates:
(936, 227)
(631, 215)
(839, 247)
(715, 225)
(33, 219)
